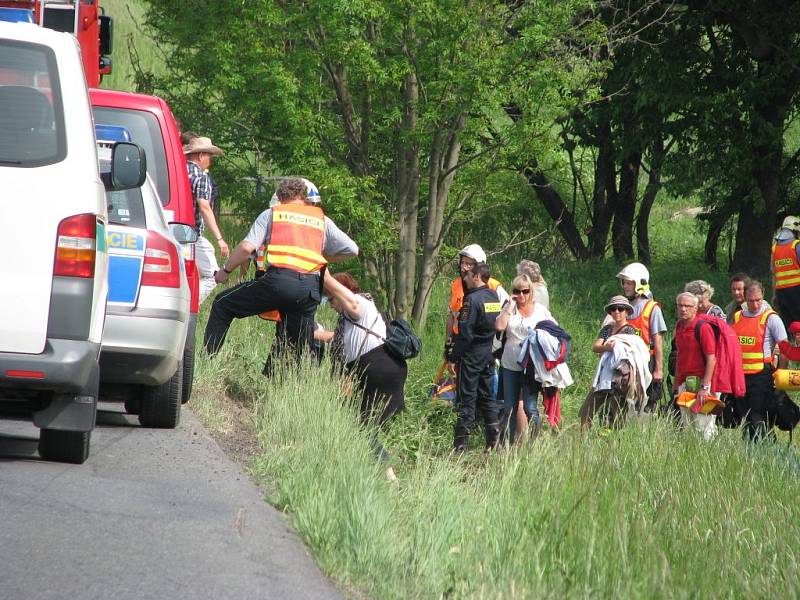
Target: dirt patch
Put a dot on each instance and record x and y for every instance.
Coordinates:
(239, 439)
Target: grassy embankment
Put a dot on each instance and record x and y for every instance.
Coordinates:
(642, 512)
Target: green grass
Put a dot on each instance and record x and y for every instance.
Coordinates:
(132, 45)
(647, 511)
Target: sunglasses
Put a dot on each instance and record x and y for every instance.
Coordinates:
(516, 291)
(617, 309)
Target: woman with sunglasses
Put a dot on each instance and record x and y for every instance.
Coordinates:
(618, 308)
(519, 316)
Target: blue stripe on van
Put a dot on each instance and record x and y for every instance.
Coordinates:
(124, 275)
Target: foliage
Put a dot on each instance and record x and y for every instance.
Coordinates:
(396, 108)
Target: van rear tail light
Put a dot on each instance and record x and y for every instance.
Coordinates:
(161, 267)
(76, 248)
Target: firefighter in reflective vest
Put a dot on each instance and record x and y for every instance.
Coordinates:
(472, 353)
(785, 267)
(760, 330)
(469, 257)
(299, 241)
(648, 321)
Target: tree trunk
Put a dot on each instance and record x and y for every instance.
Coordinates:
(558, 211)
(602, 197)
(753, 241)
(648, 199)
(625, 208)
(407, 201)
(445, 153)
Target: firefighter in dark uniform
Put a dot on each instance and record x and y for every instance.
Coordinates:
(472, 354)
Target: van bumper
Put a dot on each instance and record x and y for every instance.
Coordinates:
(142, 350)
(69, 370)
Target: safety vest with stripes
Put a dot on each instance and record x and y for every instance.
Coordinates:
(751, 332)
(641, 324)
(457, 298)
(785, 266)
(297, 238)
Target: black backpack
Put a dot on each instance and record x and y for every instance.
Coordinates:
(401, 341)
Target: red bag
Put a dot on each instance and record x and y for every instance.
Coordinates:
(728, 375)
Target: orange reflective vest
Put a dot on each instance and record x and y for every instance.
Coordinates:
(457, 298)
(751, 332)
(642, 324)
(785, 266)
(297, 237)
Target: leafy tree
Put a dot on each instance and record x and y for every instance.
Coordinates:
(384, 103)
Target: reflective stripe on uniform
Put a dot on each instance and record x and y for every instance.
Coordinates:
(751, 332)
(297, 238)
(785, 266)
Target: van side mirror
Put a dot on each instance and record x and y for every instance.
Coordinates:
(128, 166)
(184, 234)
(106, 35)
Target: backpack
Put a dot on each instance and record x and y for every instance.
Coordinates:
(400, 341)
(728, 375)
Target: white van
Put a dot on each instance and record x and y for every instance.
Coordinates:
(53, 245)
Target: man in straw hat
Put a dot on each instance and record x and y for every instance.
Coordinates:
(199, 152)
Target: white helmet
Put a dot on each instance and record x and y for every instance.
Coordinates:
(312, 194)
(792, 224)
(639, 275)
(475, 252)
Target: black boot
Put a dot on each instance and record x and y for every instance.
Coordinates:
(460, 438)
(492, 431)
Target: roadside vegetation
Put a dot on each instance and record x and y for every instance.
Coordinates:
(645, 511)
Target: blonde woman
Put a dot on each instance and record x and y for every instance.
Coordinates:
(704, 292)
(517, 319)
(534, 272)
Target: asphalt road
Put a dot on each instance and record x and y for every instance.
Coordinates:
(151, 514)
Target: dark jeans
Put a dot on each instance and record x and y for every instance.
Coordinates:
(513, 386)
(753, 407)
(382, 378)
(474, 389)
(295, 295)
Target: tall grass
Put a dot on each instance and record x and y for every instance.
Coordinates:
(646, 511)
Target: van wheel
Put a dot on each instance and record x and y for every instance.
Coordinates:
(160, 407)
(64, 446)
(188, 360)
(133, 405)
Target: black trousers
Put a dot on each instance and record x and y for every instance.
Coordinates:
(788, 304)
(754, 406)
(382, 378)
(474, 389)
(295, 295)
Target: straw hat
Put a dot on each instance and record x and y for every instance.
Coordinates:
(201, 144)
(619, 301)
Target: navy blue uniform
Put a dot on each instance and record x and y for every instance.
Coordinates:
(472, 353)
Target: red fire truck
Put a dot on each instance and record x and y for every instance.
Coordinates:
(84, 19)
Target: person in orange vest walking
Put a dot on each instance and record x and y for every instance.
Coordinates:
(760, 329)
(469, 258)
(299, 241)
(785, 267)
(648, 321)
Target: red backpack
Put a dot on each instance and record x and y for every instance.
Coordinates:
(728, 375)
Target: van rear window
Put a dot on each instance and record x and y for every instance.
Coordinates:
(144, 130)
(126, 207)
(32, 114)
